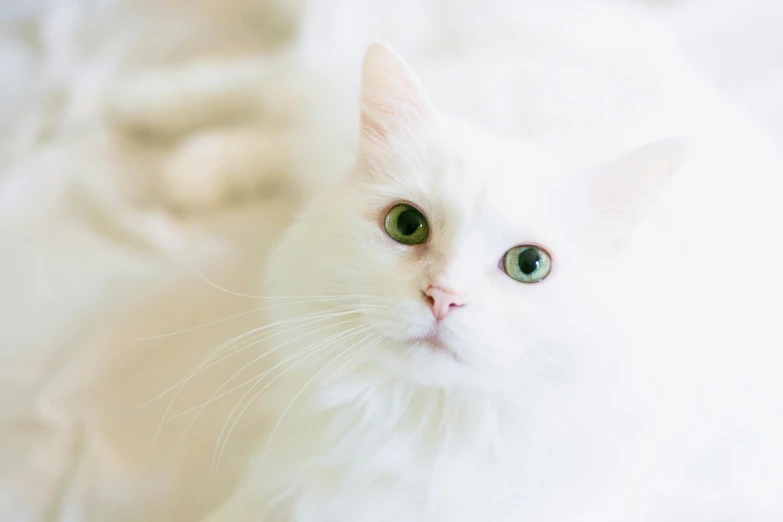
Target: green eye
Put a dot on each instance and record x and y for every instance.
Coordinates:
(527, 263)
(407, 225)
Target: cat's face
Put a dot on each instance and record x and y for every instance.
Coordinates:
(465, 256)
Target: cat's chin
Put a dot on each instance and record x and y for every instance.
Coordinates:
(435, 345)
(429, 361)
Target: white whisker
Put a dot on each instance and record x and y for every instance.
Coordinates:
(379, 338)
(216, 397)
(300, 353)
(341, 336)
(248, 312)
(309, 381)
(543, 371)
(298, 321)
(202, 368)
(552, 360)
(239, 294)
(254, 340)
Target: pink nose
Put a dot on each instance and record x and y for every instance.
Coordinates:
(442, 301)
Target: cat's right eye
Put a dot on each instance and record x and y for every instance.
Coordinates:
(527, 263)
(406, 225)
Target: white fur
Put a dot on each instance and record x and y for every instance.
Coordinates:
(701, 383)
(595, 395)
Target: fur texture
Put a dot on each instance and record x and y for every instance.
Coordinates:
(520, 411)
(693, 427)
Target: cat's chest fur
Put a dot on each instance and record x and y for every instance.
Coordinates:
(399, 454)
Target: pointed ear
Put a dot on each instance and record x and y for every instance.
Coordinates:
(391, 96)
(623, 192)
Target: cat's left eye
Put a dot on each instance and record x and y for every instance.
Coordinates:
(527, 263)
(406, 225)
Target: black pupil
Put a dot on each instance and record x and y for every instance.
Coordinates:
(408, 222)
(529, 261)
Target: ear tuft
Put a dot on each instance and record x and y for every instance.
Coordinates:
(391, 96)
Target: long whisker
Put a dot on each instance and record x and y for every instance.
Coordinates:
(336, 312)
(201, 407)
(302, 389)
(298, 322)
(201, 369)
(254, 340)
(248, 312)
(375, 341)
(552, 360)
(239, 294)
(543, 371)
(216, 461)
(217, 395)
(276, 348)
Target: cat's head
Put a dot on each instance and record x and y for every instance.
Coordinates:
(451, 256)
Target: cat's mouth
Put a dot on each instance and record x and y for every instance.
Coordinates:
(434, 342)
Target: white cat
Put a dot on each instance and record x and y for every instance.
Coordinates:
(466, 326)
(460, 263)
(421, 379)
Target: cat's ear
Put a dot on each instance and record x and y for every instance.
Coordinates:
(391, 97)
(623, 192)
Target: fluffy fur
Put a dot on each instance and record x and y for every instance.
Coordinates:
(519, 417)
(682, 422)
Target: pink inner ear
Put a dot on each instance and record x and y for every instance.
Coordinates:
(391, 96)
(379, 116)
(624, 191)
